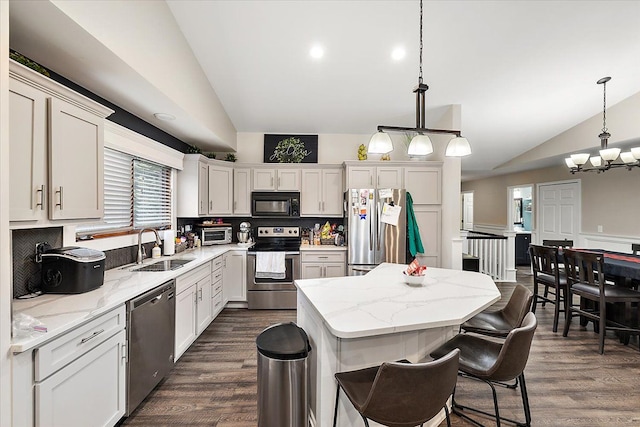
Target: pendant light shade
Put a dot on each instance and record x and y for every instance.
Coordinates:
(380, 143)
(458, 147)
(596, 161)
(420, 145)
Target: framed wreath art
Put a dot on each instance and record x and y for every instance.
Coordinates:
(290, 148)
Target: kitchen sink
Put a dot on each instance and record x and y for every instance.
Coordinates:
(165, 265)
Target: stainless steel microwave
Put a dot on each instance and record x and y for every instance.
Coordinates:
(279, 204)
(216, 235)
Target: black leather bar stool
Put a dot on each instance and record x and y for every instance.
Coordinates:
(490, 361)
(399, 394)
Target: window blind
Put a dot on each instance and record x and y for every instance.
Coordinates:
(151, 195)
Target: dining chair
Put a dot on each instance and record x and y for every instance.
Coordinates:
(547, 273)
(498, 323)
(558, 243)
(586, 280)
(398, 394)
(491, 361)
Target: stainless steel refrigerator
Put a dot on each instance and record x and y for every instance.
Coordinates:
(376, 222)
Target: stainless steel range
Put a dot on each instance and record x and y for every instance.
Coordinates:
(273, 264)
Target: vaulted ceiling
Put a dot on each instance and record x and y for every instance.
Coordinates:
(523, 71)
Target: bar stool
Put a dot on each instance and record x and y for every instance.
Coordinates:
(547, 272)
(489, 361)
(399, 394)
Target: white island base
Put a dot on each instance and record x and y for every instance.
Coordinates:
(361, 321)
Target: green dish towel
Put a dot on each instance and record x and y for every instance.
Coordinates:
(413, 232)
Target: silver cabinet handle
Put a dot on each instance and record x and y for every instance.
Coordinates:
(371, 179)
(278, 181)
(61, 196)
(323, 257)
(40, 192)
(210, 205)
(272, 181)
(378, 180)
(200, 297)
(235, 205)
(200, 204)
(320, 206)
(92, 336)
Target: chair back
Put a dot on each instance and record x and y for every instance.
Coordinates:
(407, 395)
(558, 243)
(544, 260)
(635, 248)
(514, 353)
(518, 306)
(584, 267)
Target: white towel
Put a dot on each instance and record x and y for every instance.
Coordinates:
(270, 265)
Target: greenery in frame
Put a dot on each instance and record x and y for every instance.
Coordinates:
(290, 150)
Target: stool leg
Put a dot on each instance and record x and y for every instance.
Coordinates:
(525, 400)
(335, 411)
(446, 414)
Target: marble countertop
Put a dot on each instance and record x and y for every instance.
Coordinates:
(60, 313)
(322, 248)
(381, 303)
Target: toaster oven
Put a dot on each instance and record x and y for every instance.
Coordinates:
(215, 235)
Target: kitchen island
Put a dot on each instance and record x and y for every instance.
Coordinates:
(361, 321)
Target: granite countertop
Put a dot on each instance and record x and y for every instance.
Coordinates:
(322, 248)
(381, 303)
(60, 313)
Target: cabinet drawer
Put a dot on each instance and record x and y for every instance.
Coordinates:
(65, 349)
(186, 280)
(216, 263)
(216, 275)
(217, 287)
(216, 303)
(307, 256)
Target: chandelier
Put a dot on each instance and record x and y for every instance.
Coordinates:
(420, 144)
(607, 156)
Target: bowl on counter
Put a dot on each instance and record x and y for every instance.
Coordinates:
(412, 280)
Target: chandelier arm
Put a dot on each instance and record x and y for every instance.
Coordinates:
(418, 130)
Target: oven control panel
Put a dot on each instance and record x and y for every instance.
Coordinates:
(279, 232)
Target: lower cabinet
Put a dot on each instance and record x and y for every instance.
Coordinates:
(77, 379)
(322, 264)
(234, 276)
(217, 295)
(523, 240)
(193, 307)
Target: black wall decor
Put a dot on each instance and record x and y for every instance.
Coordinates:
(290, 148)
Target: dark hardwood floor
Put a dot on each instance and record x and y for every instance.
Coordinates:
(569, 383)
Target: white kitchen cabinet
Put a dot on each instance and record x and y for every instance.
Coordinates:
(319, 264)
(53, 128)
(220, 190)
(242, 191)
(276, 179)
(234, 276)
(321, 193)
(203, 188)
(424, 184)
(193, 307)
(374, 177)
(429, 219)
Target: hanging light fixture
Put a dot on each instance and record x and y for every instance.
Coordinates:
(607, 156)
(420, 144)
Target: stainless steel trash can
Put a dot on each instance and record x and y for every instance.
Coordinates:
(282, 376)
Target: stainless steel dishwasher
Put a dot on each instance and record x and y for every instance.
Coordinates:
(150, 336)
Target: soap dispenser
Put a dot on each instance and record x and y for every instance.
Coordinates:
(155, 252)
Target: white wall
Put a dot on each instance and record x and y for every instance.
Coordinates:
(5, 250)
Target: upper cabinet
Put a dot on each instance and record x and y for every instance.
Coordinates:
(321, 193)
(374, 176)
(424, 184)
(242, 191)
(276, 179)
(205, 187)
(56, 146)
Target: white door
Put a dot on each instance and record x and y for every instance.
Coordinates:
(559, 211)
(467, 211)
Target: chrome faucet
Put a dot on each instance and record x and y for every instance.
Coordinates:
(141, 252)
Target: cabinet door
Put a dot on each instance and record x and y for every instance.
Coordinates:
(203, 305)
(288, 180)
(429, 223)
(360, 177)
(334, 269)
(185, 320)
(203, 188)
(264, 179)
(76, 162)
(332, 195)
(424, 184)
(234, 276)
(242, 192)
(27, 143)
(220, 190)
(389, 177)
(311, 271)
(88, 392)
(311, 195)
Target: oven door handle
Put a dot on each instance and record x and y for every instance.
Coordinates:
(253, 253)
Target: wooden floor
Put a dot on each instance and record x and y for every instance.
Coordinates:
(569, 383)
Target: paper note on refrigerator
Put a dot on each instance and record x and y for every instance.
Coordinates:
(390, 214)
(385, 193)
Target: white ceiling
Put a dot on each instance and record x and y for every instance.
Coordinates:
(523, 71)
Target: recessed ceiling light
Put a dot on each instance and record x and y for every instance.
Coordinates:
(398, 53)
(164, 116)
(316, 52)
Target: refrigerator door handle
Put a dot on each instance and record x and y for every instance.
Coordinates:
(378, 225)
(371, 232)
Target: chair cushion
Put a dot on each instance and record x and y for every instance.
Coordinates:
(488, 323)
(477, 355)
(614, 292)
(551, 280)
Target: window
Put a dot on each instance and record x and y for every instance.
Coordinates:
(137, 194)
